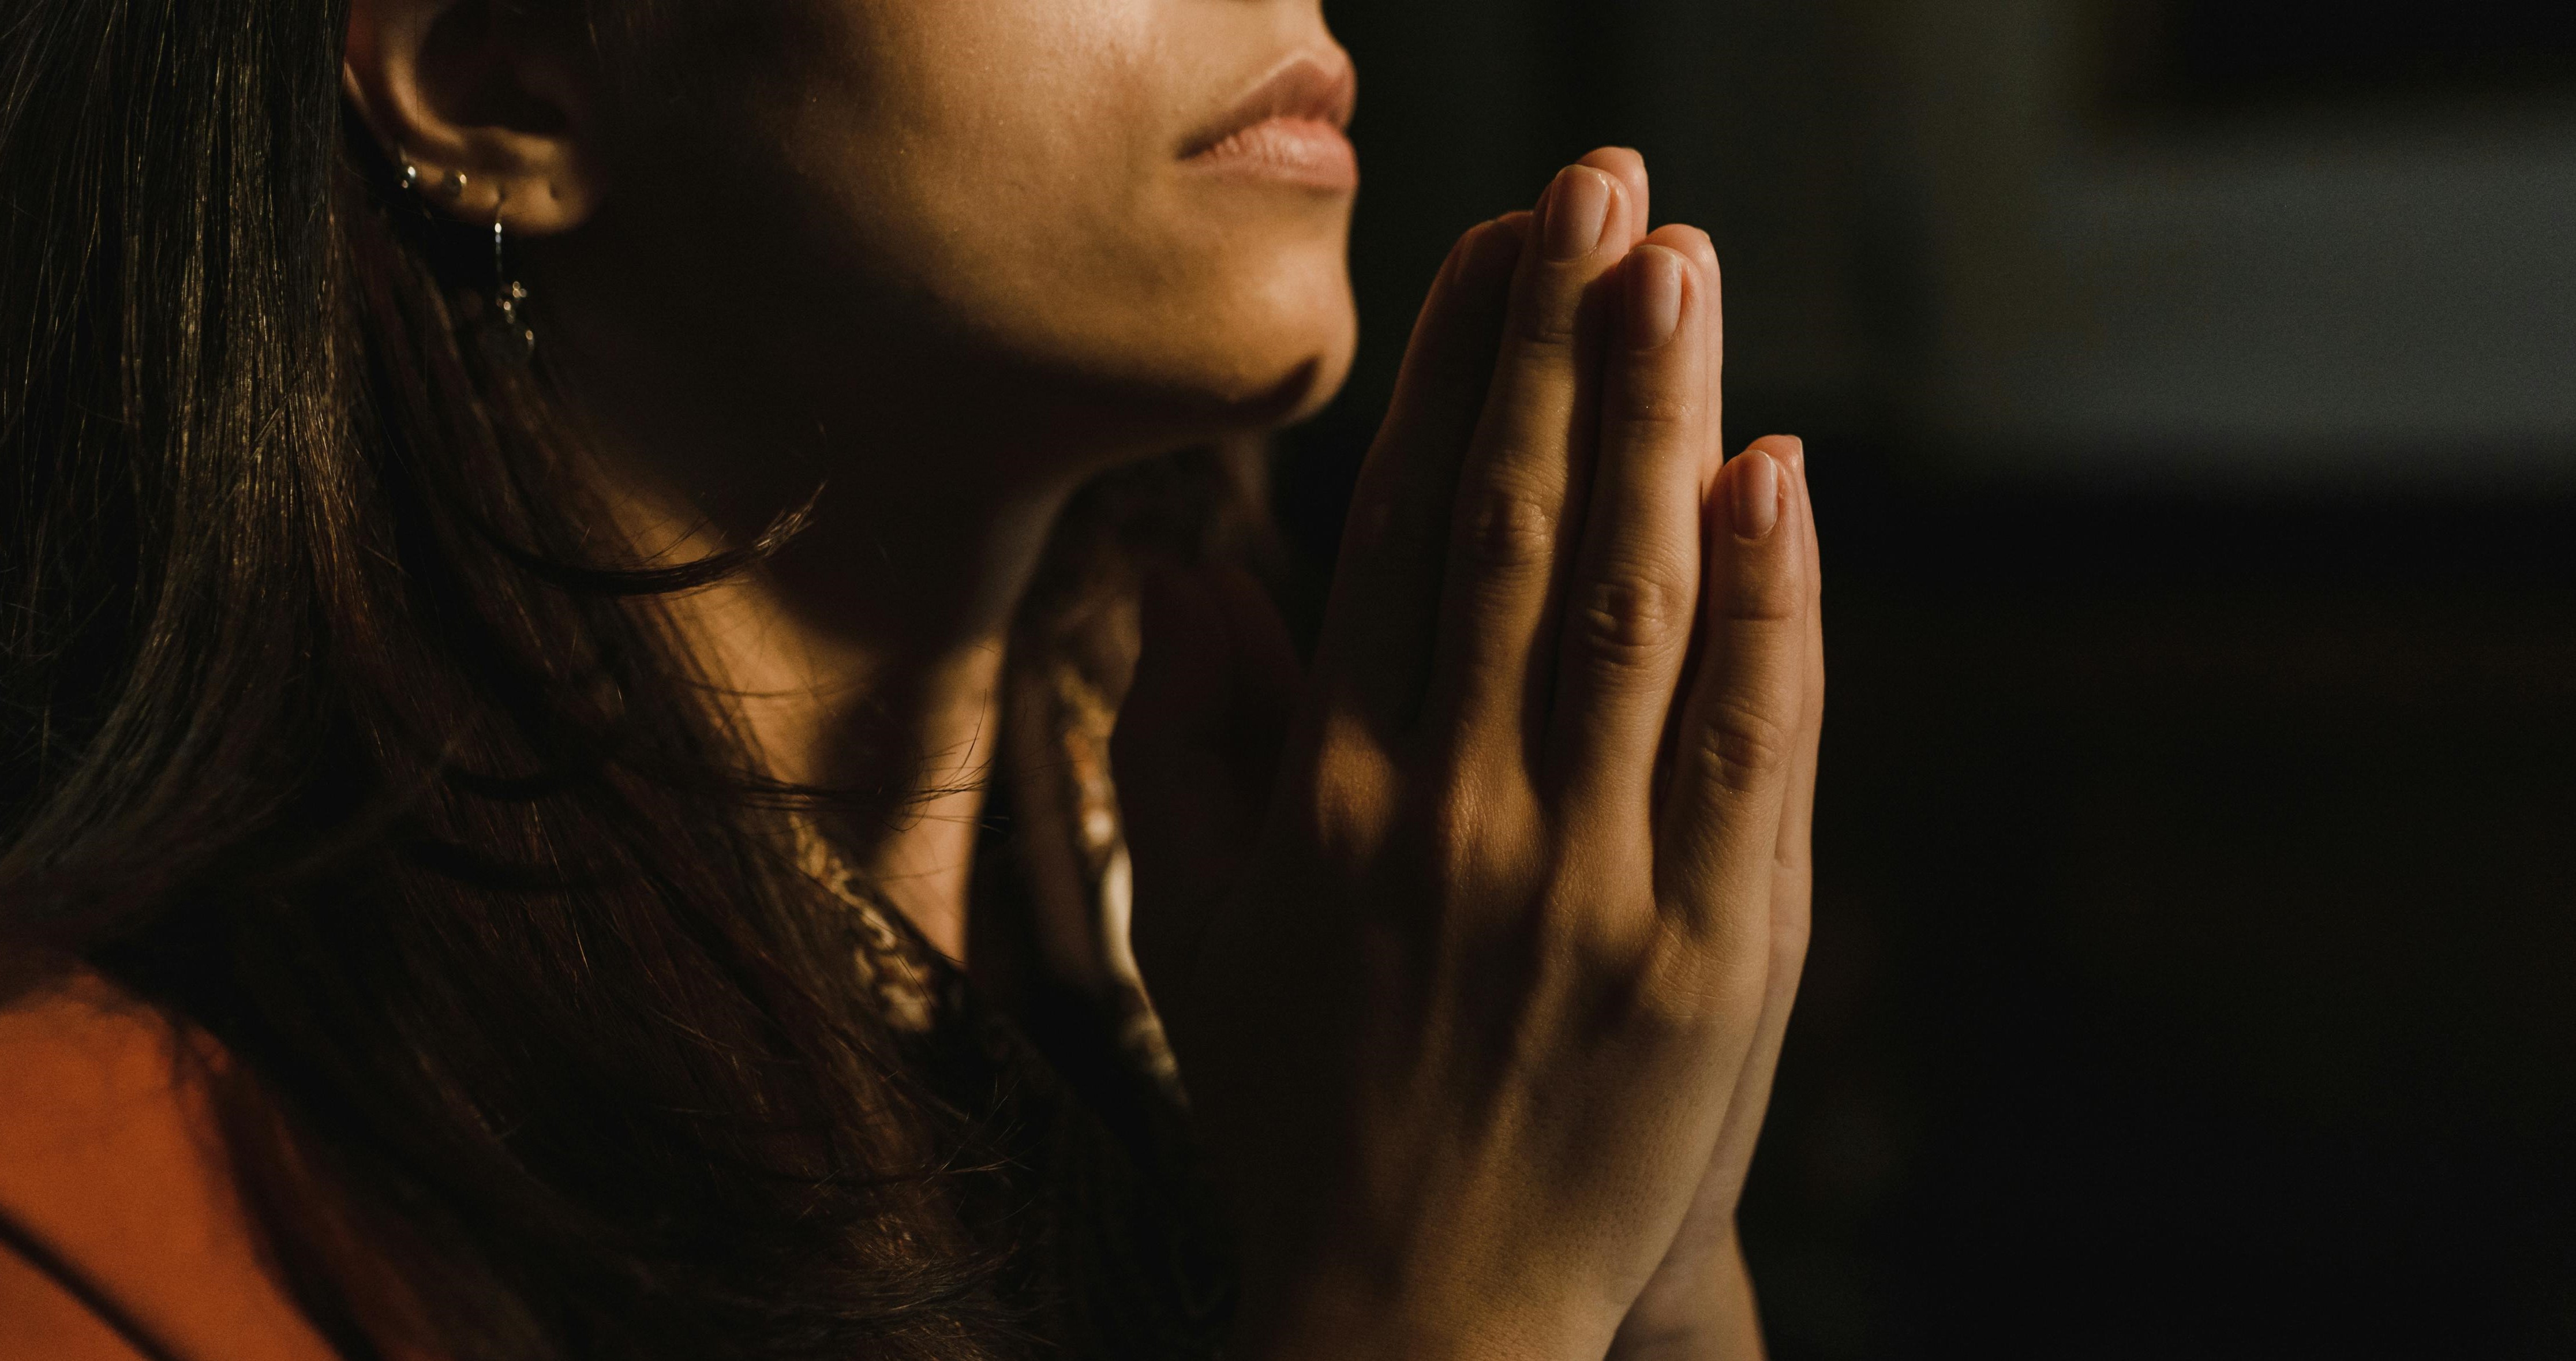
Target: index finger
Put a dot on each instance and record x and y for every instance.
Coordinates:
(1373, 658)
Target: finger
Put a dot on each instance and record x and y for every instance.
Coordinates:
(1797, 814)
(1522, 486)
(1694, 243)
(1374, 655)
(1793, 869)
(1793, 858)
(1631, 610)
(1626, 166)
(1740, 731)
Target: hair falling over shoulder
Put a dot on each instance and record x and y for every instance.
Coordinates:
(327, 734)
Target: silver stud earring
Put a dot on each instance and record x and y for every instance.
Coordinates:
(507, 337)
(410, 176)
(451, 186)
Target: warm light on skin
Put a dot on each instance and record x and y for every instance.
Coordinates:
(949, 259)
(978, 209)
(945, 260)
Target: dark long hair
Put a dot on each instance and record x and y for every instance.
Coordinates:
(328, 733)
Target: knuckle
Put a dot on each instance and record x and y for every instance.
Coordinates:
(1673, 988)
(1472, 843)
(1453, 830)
(1675, 1006)
(1764, 594)
(1741, 746)
(1649, 408)
(1344, 798)
(1508, 531)
(1632, 618)
(1547, 324)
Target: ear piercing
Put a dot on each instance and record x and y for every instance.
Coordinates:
(506, 336)
(450, 185)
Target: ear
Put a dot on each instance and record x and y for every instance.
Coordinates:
(473, 89)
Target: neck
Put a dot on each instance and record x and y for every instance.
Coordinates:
(873, 645)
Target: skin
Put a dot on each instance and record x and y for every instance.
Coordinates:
(1530, 842)
(960, 232)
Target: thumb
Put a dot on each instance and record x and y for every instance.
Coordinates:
(1194, 751)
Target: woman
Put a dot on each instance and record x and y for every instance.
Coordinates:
(542, 537)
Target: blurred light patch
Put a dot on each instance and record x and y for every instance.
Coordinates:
(2260, 241)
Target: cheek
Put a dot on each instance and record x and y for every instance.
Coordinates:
(997, 181)
(1098, 259)
(970, 158)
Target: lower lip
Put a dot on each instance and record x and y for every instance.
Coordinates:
(1300, 151)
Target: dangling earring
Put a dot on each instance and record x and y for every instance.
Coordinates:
(507, 336)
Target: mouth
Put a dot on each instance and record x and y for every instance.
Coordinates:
(1289, 128)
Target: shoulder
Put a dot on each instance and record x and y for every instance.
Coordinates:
(118, 1210)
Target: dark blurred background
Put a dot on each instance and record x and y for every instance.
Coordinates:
(2191, 392)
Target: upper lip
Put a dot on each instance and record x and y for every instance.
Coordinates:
(1321, 86)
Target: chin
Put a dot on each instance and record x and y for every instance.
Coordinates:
(1285, 350)
(1242, 349)
(1272, 388)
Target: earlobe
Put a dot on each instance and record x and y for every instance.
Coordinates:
(475, 109)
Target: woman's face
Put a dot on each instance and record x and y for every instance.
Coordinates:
(1122, 220)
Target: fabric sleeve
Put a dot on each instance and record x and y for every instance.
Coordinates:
(41, 1315)
(116, 1196)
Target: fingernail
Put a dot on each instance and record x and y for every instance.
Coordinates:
(1654, 297)
(1757, 495)
(1578, 212)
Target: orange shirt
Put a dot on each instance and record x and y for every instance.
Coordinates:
(122, 1237)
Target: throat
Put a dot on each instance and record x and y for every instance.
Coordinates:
(934, 732)
(924, 865)
(909, 734)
